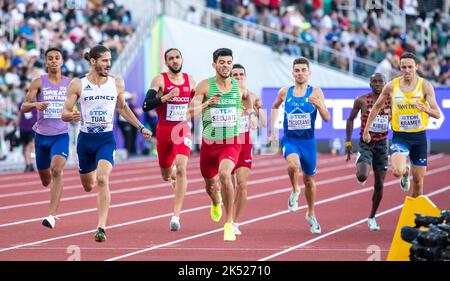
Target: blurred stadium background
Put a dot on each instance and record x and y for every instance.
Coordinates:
(346, 41)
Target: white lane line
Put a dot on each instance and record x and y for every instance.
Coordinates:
(344, 195)
(140, 170)
(168, 214)
(441, 190)
(152, 186)
(252, 182)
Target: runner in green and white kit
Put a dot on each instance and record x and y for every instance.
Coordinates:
(219, 100)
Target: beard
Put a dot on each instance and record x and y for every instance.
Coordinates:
(224, 76)
(100, 71)
(175, 71)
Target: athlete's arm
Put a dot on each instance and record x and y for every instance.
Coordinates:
(30, 99)
(387, 90)
(192, 85)
(198, 103)
(257, 106)
(433, 109)
(73, 93)
(124, 110)
(350, 123)
(152, 99)
(274, 112)
(317, 98)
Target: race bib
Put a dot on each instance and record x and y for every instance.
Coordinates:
(299, 121)
(243, 128)
(176, 112)
(223, 117)
(28, 115)
(380, 124)
(409, 122)
(53, 110)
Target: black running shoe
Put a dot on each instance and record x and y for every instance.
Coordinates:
(100, 235)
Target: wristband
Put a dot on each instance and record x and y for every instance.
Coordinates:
(141, 127)
(348, 143)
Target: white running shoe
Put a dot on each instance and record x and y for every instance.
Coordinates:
(236, 228)
(175, 223)
(49, 221)
(405, 181)
(361, 183)
(315, 226)
(293, 201)
(373, 226)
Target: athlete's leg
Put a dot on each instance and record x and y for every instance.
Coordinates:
(310, 192)
(43, 160)
(166, 157)
(378, 191)
(399, 164)
(56, 170)
(241, 192)
(362, 171)
(168, 174)
(181, 182)
(418, 175)
(104, 169)
(212, 188)
(88, 180)
(46, 176)
(293, 170)
(226, 187)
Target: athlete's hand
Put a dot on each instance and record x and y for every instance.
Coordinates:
(41, 106)
(257, 105)
(422, 107)
(348, 151)
(253, 121)
(273, 139)
(214, 100)
(366, 136)
(146, 133)
(76, 116)
(174, 93)
(316, 101)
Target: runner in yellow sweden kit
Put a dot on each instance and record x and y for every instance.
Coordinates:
(412, 102)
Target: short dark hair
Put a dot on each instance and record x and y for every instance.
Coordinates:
(169, 50)
(408, 55)
(222, 52)
(301, 60)
(96, 52)
(239, 66)
(53, 49)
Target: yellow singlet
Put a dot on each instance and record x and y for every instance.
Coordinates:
(405, 115)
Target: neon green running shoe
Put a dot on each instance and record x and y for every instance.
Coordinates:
(228, 232)
(216, 210)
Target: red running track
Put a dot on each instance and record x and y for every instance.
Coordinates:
(138, 224)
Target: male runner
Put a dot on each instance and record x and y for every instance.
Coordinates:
(252, 109)
(412, 102)
(47, 94)
(170, 93)
(219, 100)
(98, 95)
(375, 153)
(302, 102)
